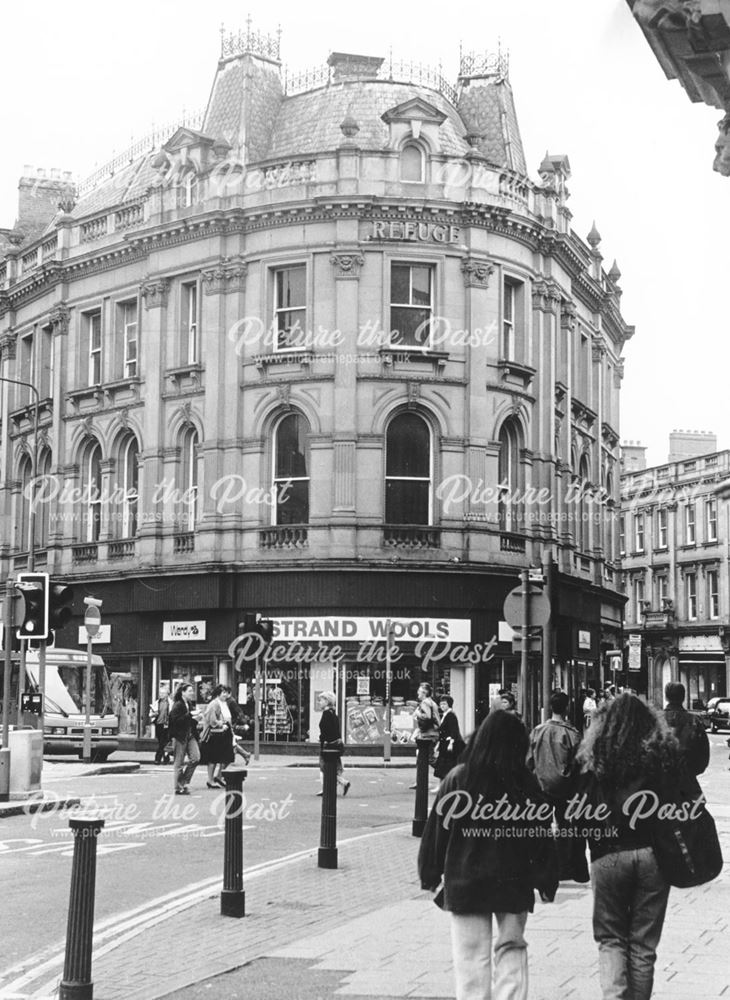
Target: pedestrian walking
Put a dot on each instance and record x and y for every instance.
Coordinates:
(183, 729)
(628, 749)
(330, 736)
(491, 858)
(216, 738)
(553, 746)
(450, 743)
(426, 717)
(694, 745)
(589, 707)
(160, 719)
(241, 725)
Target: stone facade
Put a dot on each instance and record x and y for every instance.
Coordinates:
(256, 269)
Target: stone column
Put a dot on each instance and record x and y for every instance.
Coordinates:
(153, 329)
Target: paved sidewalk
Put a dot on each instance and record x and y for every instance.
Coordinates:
(366, 930)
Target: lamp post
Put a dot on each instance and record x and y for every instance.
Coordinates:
(31, 554)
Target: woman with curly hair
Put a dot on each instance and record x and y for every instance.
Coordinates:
(627, 751)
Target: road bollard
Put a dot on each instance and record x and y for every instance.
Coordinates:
(327, 857)
(76, 983)
(420, 812)
(233, 897)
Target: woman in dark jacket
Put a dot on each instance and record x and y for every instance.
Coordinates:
(489, 838)
(627, 751)
(330, 737)
(450, 744)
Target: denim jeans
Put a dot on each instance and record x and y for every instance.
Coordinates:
(471, 946)
(629, 902)
(184, 772)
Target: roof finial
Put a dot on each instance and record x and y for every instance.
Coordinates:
(594, 237)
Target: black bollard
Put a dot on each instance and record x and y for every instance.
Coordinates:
(233, 897)
(76, 983)
(327, 857)
(420, 812)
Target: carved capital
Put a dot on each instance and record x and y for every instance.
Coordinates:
(568, 316)
(154, 292)
(618, 373)
(229, 275)
(8, 344)
(546, 295)
(476, 271)
(59, 318)
(598, 346)
(347, 265)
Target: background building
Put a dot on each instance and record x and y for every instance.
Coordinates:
(327, 354)
(674, 542)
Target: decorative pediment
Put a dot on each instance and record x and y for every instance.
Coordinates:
(188, 149)
(415, 110)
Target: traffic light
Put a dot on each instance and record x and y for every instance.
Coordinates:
(34, 619)
(263, 627)
(60, 604)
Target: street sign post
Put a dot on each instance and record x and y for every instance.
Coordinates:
(527, 608)
(92, 623)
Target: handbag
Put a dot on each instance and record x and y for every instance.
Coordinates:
(686, 846)
(335, 745)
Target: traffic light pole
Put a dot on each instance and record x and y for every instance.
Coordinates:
(8, 662)
(387, 742)
(547, 663)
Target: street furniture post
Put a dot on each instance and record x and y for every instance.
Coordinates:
(92, 622)
(233, 896)
(525, 652)
(387, 739)
(547, 663)
(327, 856)
(76, 983)
(420, 812)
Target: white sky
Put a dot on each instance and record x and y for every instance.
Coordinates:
(81, 79)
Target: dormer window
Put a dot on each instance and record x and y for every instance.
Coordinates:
(412, 163)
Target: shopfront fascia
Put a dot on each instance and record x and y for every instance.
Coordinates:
(704, 665)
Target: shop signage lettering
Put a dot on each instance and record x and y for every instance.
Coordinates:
(183, 631)
(336, 629)
(414, 232)
(634, 652)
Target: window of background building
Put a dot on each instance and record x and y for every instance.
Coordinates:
(661, 528)
(43, 510)
(291, 476)
(412, 163)
(510, 507)
(190, 323)
(188, 506)
(689, 524)
(92, 323)
(690, 589)
(622, 534)
(411, 305)
(45, 363)
(638, 532)
(290, 313)
(129, 462)
(408, 470)
(91, 493)
(582, 513)
(662, 591)
(24, 477)
(638, 598)
(26, 368)
(711, 520)
(128, 330)
(713, 593)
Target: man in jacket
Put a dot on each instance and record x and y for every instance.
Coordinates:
(553, 746)
(691, 736)
(160, 718)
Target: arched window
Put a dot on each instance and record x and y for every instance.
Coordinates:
(608, 519)
(44, 495)
(91, 493)
(25, 470)
(188, 505)
(412, 163)
(510, 507)
(408, 470)
(129, 487)
(582, 507)
(291, 471)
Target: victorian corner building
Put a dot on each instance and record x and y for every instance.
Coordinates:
(285, 353)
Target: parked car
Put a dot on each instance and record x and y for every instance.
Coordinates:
(718, 712)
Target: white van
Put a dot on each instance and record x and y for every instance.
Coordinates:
(64, 703)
